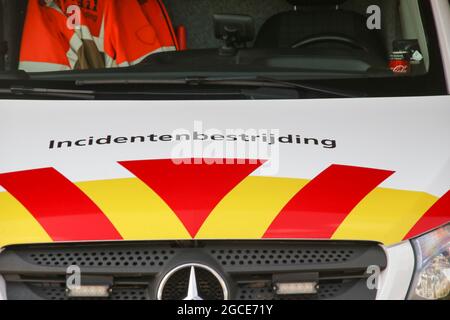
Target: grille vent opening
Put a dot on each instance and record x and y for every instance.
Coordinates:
(119, 258)
(280, 257)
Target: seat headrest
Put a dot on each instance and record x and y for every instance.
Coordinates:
(316, 2)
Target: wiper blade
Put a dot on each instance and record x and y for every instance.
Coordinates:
(259, 93)
(258, 81)
(48, 92)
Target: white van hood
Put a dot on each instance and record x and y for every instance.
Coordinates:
(356, 169)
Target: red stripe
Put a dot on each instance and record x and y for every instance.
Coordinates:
(62, 209)
(192, 187)
(319, 208)
(437, 215)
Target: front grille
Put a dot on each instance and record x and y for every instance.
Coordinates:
(136, 269)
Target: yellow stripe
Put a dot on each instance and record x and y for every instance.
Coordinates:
(135, 210)
(385, 215)
(17, 225)
(249, 209)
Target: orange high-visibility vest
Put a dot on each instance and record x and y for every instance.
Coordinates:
(84, 34)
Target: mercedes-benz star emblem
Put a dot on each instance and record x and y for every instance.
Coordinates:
(192, 281)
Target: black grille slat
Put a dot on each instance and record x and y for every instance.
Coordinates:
(297, 256)
(119, 258)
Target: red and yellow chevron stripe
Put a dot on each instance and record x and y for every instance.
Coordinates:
(212, 200)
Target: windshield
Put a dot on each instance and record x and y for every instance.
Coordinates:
(375, 48)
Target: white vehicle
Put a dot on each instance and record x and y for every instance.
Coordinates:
(225, 150)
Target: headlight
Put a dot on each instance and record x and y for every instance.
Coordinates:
(431, 279)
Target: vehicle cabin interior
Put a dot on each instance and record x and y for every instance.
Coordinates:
(280, 34)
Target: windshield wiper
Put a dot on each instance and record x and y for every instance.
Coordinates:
(254, 94)
(258, 81)
(265, 88)
(48, 92)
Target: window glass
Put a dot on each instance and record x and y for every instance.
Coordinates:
(332, 41)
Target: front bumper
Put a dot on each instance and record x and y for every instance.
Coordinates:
(2, 289)
(395, 280)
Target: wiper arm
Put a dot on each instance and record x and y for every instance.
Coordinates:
(315, 88)
(48, 92)
(272, 82)
(258, 81)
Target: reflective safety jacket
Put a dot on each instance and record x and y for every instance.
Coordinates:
(84, 34)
